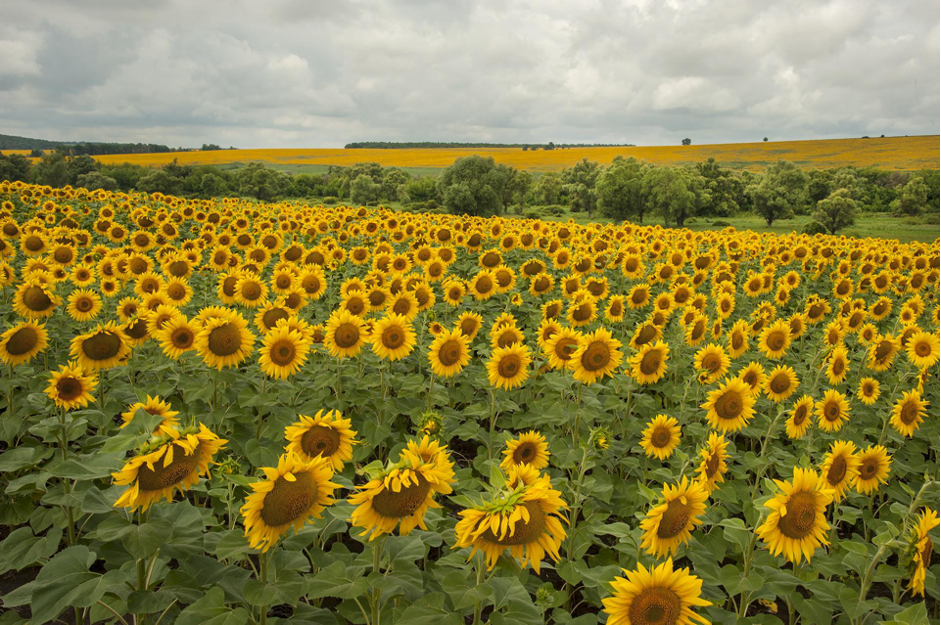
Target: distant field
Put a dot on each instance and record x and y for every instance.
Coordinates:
(893, 153)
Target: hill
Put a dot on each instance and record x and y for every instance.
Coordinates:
(12, 142)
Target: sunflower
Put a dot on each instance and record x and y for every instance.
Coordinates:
(402, 492)
(21, 343)
(508, 366)
(754, 376)
(713, 467)
(449, 353)
(526, 518)
(250, 291)
(70, 387)
(655, 596)
(840, 467)
(173, 462)
(660, 437)
(35, 300)
(102, 348)
(469, 323)
(868, 392)
(392, 337)
(157, 407)
(649, 364)
(882, 352)
(83, 305)
(837, 365)
(283, 352)
(874, 464)
(923, 349)
(730, 407)
(797, 524)
(922, 549)
(775, 339)
(483, 285)
(796, 425)
(781, 383)
(908, 413)
(712, 362)
(529, 448)
(344, 334)
(326, 435)
(597, 356)
(291, 494)
(832, 411)
(225, 340)
(738, 338)
(669, 525)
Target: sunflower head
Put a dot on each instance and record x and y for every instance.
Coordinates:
(326, 434)
(529, 448)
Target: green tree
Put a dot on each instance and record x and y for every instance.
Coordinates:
(473, 185)
(364, 190)
(81, 165)
(257, 181)
(580, 182)
(620, 189)
(159, 181)
(670, 191)
(392, 179)
(519, 186)
(306, 185)
(913, 199)
(213, 185)
(548, 189)
(96, 180)
(14, 167)
(836, 212)
(422, 189)
(52, 169)
(723, 190)
(782, 188)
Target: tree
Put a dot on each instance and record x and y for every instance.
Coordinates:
(687, 141)
(306, 185)
(363, 190)
(723, 190)
(422, 189)
(782, 188)
(913, 198)
(14, 168)
(212, 185)
(473, 185)
(159, 181)
(547, 189)
(95, 180)
(257, 181)
(765, 139)
(620, 190)
(580, 182)
(81, 165)
(518, 186)
(392, 179)
(820, 185)
(836, 212)
(669, 192)
(52, 169)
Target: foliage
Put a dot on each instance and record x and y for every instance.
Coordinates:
(836, 212)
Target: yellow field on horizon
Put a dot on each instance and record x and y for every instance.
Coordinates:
(892, 153)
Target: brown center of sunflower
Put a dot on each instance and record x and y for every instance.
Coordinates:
(838, 366)
(69, 388)
(484, 284)
(225, 340)
(310, 283)
(780, 383)
(831, 411)
(137, 330)
(565, 348)
(101, 346)
(868, 468)
(402, 306)
(83, 304)
(393, 337)
(698, 330)
(729, 405)
(403, 503)
(63, 255)
(34, 244)
(925, 554)
(909, 412)
(923, 349)
(509, 366)
(508, 337)
(650, 363)
(596, 356)
(282, 353)
(347, 335)
(711, 363)
(712, 464)
(675, 519)
(776, 340)
(320, 440)
(182, 337)
(450, 353)
(273, 316)
(883, 350)
(178, 268)
(176, 291)
(228, 285)
(837, 470)
(800, 414)
(22, 341)
(468, 327)
(287, 501)
(524, 453)
(661, 437)
(655, 606)
(251, 290)
(582, 312)
(36, 299)
(524, 531)
(801, 514)
(162, 477)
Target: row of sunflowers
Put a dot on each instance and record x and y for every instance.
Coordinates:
(512, 419)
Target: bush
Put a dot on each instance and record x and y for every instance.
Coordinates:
(814, 227)
(329, 200)
(721, 224)
(532, 214)
(554, 209)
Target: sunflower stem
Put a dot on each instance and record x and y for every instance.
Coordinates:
(377, 592)
(478, 607)
(263, 563)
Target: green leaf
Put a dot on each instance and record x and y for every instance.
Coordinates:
(134, 434)
(67, 581)
(338, 580)
(812, 610)
(149, 602)
(232, 545)
(915, 614)
(211, 610)
(142, 541)
(22, 457)
(429, 610)
(88, 467)
(463, 593)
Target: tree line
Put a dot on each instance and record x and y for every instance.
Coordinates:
(407, 145)
(627, 189)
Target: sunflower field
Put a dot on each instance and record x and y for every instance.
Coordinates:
(227, 412)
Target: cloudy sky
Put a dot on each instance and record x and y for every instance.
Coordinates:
(321, 73)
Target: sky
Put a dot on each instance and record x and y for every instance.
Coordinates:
(322, 73)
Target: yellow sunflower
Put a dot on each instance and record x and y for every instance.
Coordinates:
(70, 387)
(597, 356)
(392, 337)
(326, 434)
(840, 467)
(775, 339)
(781, 383)
(102, 348)
(177, 336)
(797, 423)
(832, 411)
(797, 523)
(449, 353)
(730, 407)
(283, 352)
(649, 364)
(923, 349)
(402, 492)
(35, 300)
(291, 494)
(83, 305)
(508, 367)
(868, 392)
(171, 463)
(874, 467)
(525, 517)
(225, 340)
(21, 343)
(655, 596)
(660, 437)
(529, 448)
(669, 525)
(712, 362)
(837, 365)
(908, 413)
(157, 407)
(344, 334)
(713, 466)
(754, 376)
(561, 347)
(922, 549)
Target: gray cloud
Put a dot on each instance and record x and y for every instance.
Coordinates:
(300, 73)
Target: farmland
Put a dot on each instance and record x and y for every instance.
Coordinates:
(892, 153)
(232, 411)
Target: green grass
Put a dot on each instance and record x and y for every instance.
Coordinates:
(322, 169)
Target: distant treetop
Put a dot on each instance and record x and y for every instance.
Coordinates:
(404, 145)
